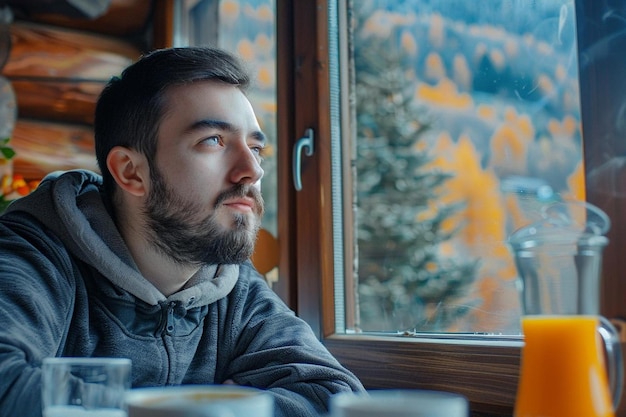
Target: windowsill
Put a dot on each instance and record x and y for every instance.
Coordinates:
(466, 339)
(484, 369)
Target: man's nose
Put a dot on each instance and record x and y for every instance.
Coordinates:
(246, 167)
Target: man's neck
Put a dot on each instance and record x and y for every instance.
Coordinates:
(165, 274)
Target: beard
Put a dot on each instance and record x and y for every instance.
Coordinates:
(174, 229)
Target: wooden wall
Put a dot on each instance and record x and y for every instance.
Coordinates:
(57, 66)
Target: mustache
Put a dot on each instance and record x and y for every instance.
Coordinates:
(241, 191)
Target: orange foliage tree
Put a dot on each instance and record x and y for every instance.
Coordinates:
(405, 280)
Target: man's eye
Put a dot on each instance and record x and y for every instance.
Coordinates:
(212, 140)
(259, 151)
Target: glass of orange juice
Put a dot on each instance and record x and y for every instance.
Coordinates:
(563, 371)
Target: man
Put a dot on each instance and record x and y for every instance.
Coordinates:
(150, 262)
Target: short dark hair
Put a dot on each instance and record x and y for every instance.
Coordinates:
(130, 107)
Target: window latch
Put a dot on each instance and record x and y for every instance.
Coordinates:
(305, 143)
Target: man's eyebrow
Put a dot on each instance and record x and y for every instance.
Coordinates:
(259, 136)
(222, 125)
(210, 123)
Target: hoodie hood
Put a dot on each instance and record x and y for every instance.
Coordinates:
(70, 205)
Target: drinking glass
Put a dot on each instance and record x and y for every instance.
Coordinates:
(85, 387)
(399, 403)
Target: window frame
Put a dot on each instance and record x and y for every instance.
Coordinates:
(484, 371)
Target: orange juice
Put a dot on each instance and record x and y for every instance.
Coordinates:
(563, 370)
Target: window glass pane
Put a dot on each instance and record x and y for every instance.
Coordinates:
(466, 120)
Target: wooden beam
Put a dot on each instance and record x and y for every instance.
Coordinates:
(123, 18)
(75, 8)
(49, 52)
(43, 147)
(163, 24)
(57, 100)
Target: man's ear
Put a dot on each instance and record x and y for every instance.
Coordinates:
(129, 168)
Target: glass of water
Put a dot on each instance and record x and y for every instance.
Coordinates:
(85, 387)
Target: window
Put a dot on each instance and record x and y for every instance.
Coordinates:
(466, 122)
(309, 66)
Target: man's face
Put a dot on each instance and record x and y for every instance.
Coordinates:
(204, 204)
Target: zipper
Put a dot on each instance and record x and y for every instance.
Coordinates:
(168, 323)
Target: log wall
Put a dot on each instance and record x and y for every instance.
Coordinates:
(57, 66)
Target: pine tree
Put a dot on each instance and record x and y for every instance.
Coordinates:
(403, 280)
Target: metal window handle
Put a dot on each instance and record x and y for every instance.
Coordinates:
(304, 143)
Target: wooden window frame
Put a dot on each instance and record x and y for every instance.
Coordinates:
(485, 371)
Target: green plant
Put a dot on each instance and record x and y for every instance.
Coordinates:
(7, 153)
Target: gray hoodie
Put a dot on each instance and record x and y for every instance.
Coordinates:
(69, 287)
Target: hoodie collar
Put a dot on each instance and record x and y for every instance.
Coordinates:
(70, 204)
